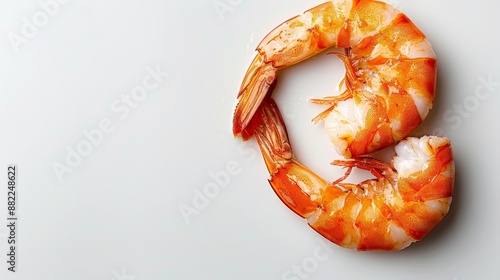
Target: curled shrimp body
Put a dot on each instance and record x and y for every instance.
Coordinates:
(390, 77)
(401, 205)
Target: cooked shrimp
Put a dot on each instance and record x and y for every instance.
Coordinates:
(405, 201)
(390, 75)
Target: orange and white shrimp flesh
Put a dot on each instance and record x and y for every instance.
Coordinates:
(390, 77)
(401, 205)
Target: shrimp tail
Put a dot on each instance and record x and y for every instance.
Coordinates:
(298, 187)
(259, 82)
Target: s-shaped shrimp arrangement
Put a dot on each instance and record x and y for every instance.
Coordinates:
(387, 91)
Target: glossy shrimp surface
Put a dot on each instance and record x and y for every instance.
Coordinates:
(390, 76)
(401, 205)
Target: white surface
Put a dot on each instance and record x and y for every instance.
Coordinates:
(116, 215)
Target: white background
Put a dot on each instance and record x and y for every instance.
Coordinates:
(116, 213)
